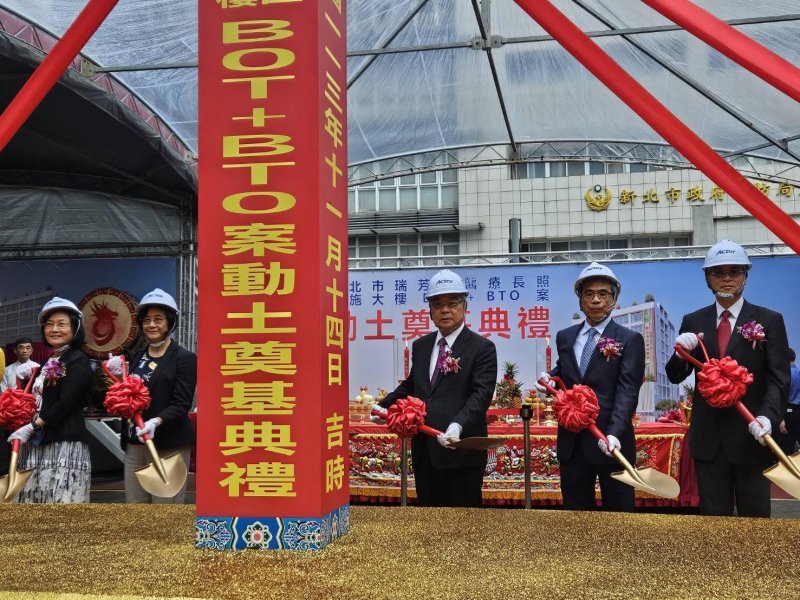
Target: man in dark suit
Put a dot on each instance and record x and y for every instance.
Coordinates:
(454, 371)
(615, 374)
(729, 461)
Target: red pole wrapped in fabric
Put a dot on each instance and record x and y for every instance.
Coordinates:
(743, 50)
(51, 68)
(696, 151)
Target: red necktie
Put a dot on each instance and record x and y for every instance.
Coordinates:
(724, 332)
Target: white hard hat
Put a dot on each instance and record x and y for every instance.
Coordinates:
(56, 303)
(726, 252)
(445, 282)
(598, 270)
(157, 297)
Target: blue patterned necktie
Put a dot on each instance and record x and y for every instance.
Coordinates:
(442, 352)
(586, 355)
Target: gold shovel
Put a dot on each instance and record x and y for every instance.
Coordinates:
(786, 472)
(13, 483)
(165, 476)
(646, 479)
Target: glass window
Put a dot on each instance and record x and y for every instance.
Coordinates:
(408, 180)
(351, 201)
(429, 238)
(408, 198)
(384, 183)
(409, 250)
(681, 241)
(449, 196)
(659, 242)
(387, 200)
(519, 171)
(596, 168)
(615, 167)
(369, 185)
(450, 176)
(640, 243)
(578, 245)
(575, 168)
(427, 178)
(558, 169)
(367, 248)
(538, 170)
(450, 248)
(388, 245)
(620, 243)
(533, 247)
(366, 201)
(597, 244)
(638, 167)
(559, 246)
(429, 197)
(430, 250)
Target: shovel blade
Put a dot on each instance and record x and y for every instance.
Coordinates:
(781, 476)
(17, 485)
(478, 443)
(152, 482)
(655, 482)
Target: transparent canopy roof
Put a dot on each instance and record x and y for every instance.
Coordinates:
(421, 82)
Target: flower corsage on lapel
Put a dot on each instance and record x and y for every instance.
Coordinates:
(610, 348)
(52, 371)
(448, 364)
(753, 332)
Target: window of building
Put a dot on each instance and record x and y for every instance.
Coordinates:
(597, 168)
(558, 169)
(576, 168)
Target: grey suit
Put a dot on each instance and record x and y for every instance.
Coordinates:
(462, 398)
(728, 459)
(616, 383)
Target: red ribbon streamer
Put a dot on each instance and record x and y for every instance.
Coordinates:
(577, 408)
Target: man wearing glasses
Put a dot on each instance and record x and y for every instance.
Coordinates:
(453, 371)
(609, 358)
(729, 455)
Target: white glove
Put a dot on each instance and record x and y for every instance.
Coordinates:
(453, 434)
(24, 370)
(149, 428)
(114, 364)
(376, 419)
(23, 434)
(613, 444)
(544, 376)
(687, 340)
(759, 428)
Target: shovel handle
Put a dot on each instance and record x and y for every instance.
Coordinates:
(618, 456)
(139, 422)
(422, 428)
(770, 442)
(151, 447)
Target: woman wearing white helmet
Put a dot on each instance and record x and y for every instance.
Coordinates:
(170, 373)
(55, 442)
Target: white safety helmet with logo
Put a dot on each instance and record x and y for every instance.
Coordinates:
(57, 303)
(726, 253)
(161, 299)
(445, 282)
(598, 270)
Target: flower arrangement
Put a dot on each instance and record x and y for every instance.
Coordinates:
(53, 370)
(609, 347)
(448, 364)
(753, 332)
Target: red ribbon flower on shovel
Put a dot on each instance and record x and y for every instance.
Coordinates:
(406, 416)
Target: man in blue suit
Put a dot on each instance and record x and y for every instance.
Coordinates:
(454, 371)
(609, 358)
(729, 455)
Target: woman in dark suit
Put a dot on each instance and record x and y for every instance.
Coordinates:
(55, 441)
(170, 373)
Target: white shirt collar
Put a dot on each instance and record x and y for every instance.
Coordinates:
(599, 327)
(451, 338)
(735, 309)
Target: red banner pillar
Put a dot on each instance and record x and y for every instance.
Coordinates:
(741, 49)
(672, 129)
(272, 379)
(52, 67)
